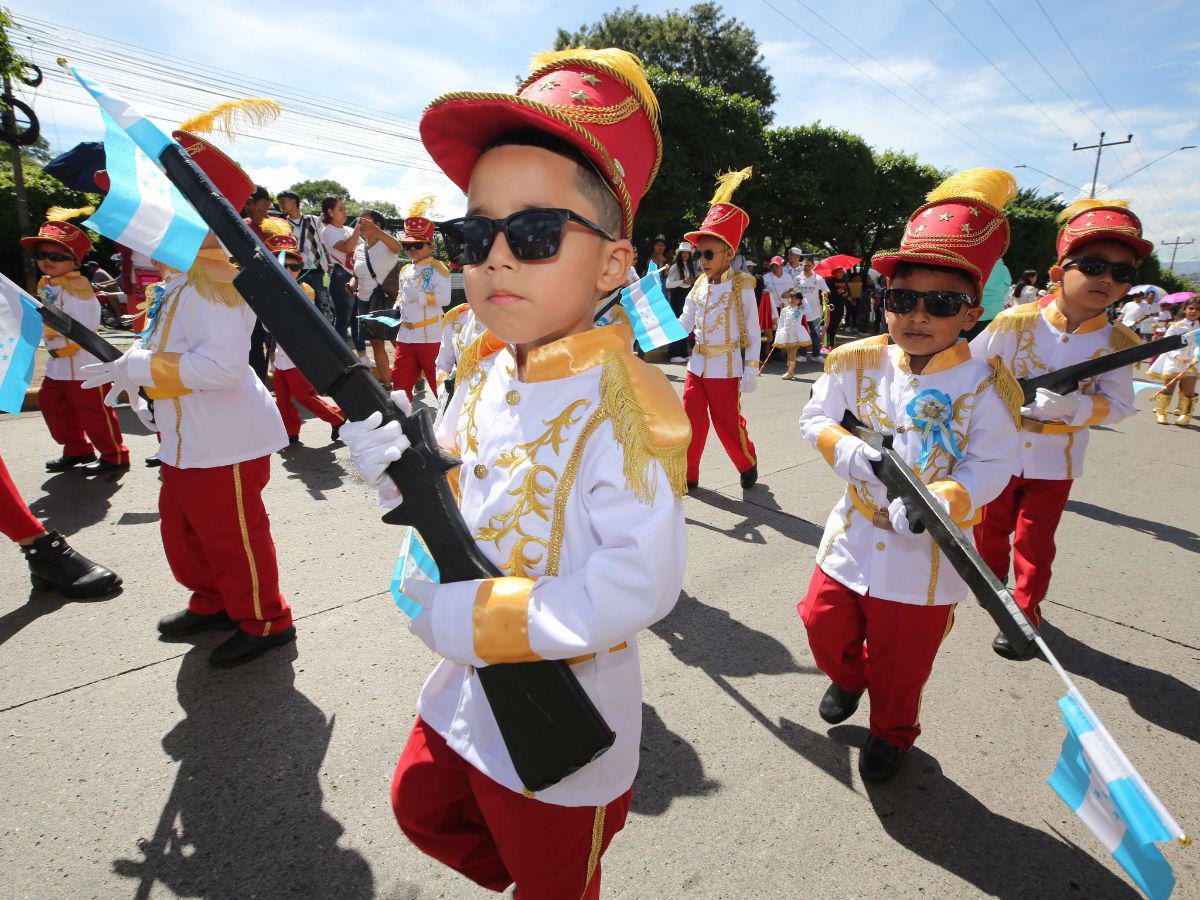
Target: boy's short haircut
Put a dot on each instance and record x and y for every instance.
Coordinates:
(287, 195)
(587, 179)
(905, 268)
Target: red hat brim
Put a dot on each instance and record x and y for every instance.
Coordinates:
(886, 263)
(30, 243)
(1141, 248)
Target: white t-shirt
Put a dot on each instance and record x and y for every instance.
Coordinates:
(383, 261)
(1026, 294)
(331, 235)
(776, 286)
(810, 287)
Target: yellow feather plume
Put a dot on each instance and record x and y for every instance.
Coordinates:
(728, 183)
(995, 187)
(273, 225)
(62, 214)
(255, 111)
(1085, 204)
(420, 207)
(621, 63)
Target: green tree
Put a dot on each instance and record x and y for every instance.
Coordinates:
(385, 207)
(699, 42)
(1033, 220)
(42, 192)
(1152, 271)
(705, 131)
(899, 187)
(313, 192)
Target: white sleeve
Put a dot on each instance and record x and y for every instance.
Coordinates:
(753, 328)
(821, 423)
(688, 317)
(1107, 401)
(218, 360)
(446, 357)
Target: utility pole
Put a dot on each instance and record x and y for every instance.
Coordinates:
(1099, 148)
(10, 127)
(1175, 245)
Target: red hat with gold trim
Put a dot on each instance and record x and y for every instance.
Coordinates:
(417, 228)
(57, 230)
(1101, 220)
(724, 221)
(596, 100)
(962, 226)
(283, 243)
(226, 174)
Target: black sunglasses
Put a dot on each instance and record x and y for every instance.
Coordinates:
(532, 234)
(1098, 265)
(292, 267)
(51, 256)
(413, 246)
(941, 304)
(709, 254)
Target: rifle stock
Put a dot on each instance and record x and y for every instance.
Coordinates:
(1066, 379)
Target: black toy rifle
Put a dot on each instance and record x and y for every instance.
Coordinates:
(548, 723)
(926, 513)
(74, 330)
(1066, 380)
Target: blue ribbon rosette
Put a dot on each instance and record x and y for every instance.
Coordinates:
(932, 411)
(159, 294)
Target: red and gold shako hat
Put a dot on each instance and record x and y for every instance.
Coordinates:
(961, 226)
(283, 243)
(1100, 220)
(417, 228)
(724, 221)
(57, 230)
(596, 100)
(226, 174)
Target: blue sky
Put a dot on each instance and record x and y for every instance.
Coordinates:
(387, 60)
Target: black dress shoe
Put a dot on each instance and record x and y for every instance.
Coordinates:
(692, 485)
(1003, 648)
(294, 439)
(879, 760)
(750, 477)
(153, 462)
(103, 466)
(838, 705)
(243, 647)
(55, 566)
(178, 624)
(69, 462)
(335, 433)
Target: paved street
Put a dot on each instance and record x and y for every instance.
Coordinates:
(133, 769)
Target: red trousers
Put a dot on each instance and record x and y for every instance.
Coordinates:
(218, 541)
(412, 361)
(880, 646)
(74, 415)
(16, 521)
(291, 385)
(456, 814)
(720, 398)
(1030, 507)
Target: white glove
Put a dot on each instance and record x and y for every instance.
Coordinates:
(1048, 406)
(374, 446)
(898, 514)
(117, 373)
(423, 592)
(852, 460)
(749, 379)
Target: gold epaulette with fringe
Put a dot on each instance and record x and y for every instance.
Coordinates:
(436, 264)
(866, 354)
(222, 292)
(74, 284)
(473, 354)
(1007, 388)
(1123, 337)
(1019, 318)
(309, 292)
(647, 421)
(453, 314)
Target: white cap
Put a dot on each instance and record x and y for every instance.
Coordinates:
(685, 247)
(795, 250)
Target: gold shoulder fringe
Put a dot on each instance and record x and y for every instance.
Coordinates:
(1123, 337)
(437, 265)
(1007, 388)
(867, 353)
(473, 354)
(78, 287)
(648, 422)
(453, 313)
(741, 280)
(222, 292)
(1019, 318)
(309, 292)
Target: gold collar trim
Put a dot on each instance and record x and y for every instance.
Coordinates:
(1055, 317)
(576, 353)
(942, 361)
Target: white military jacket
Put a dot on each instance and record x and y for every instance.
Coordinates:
(571, 481)
(459, 329)
(424, 293)
(724, 317)
(209, 407)
(954, 423)
(1031, 339)
(71, 293)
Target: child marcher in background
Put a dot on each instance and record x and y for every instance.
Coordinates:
(792, 336)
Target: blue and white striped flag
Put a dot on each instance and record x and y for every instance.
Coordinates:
(654, 322)
(143, 210)
(1096, 780)
(414, 563)
(20, 334)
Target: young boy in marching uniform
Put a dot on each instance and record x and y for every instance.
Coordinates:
(1099, 248)
(76, 415)
(290, 383)
(219, 428)
(460, 327)
(572, 470)
(722, 311)
(882, 599)
(424, 293)
(1178, 368)
(791, 335)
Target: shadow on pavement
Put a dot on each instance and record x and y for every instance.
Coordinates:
(315, 467)
(757, 498)
(71, 501)
(670, 768)
(244, 817)
(41, 603)
(928, 814)
(1157, 697)
(1172, 534)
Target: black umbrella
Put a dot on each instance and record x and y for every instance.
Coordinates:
(77, 167)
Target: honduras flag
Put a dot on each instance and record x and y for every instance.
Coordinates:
(654, 323)
(414, 563)
(1097, 781)
(20, 334)
(143, 210)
